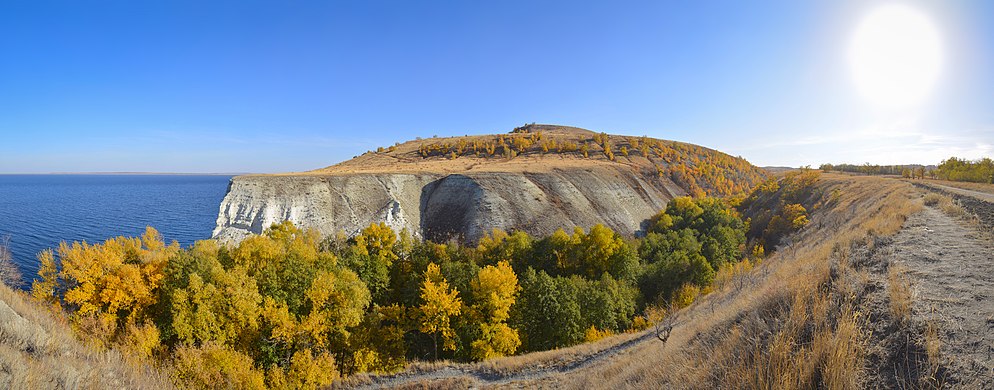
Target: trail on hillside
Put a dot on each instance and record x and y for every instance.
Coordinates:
(963, 191)
(952, 275)
(484, 378)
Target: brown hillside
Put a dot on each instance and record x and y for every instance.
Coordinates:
(542, 148)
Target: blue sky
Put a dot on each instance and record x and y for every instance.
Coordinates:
(252, 86)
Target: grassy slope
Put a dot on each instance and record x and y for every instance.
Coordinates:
(798, 320)
(38, 351)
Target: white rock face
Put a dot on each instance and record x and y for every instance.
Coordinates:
(440, 207)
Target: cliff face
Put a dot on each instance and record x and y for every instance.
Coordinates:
(443, 206)
(327, 203)
(538, 178)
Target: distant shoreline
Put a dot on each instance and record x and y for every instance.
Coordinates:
(128, 173)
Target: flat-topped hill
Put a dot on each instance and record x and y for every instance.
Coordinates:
(542, 148)
(536, 178)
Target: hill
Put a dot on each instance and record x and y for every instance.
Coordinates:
(885, 287)
(537, 178)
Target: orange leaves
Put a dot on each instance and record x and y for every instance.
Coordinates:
(115, 280)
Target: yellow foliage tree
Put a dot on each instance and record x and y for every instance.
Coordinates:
(44, 288)
(377, 241)
(496, 340)
(495, 289)
(215, 367)
(440, 304)
(108, 284)
(306, 371)
(220, 309)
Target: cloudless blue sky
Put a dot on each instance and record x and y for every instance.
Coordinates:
(253, 86)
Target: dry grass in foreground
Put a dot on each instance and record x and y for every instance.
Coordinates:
(39, 351)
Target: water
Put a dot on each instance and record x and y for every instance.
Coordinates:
(39, 211)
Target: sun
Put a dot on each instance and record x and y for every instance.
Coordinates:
(896, 56)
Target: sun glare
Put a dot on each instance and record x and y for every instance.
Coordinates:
(896, 56)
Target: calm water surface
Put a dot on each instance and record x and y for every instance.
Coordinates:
(39, 211)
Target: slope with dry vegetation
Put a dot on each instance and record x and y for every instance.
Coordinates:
(699, 170)
(38, 350)
(833, 307)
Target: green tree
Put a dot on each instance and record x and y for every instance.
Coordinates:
(547, 312)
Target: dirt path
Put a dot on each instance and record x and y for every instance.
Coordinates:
(952, 275)
(480, 378)
(963, 191)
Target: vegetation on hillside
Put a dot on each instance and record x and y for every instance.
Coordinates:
(780, 206)
(10, 275)
(700, 170)
(289, 308)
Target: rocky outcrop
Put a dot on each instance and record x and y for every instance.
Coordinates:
(441, 206)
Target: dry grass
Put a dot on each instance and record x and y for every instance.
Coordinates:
(946, 204)
(899, 292)
(933, 348)
(38, 350)
(511, 365)
(797, 321)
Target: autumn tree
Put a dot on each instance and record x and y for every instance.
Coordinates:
(440, 305)
(494, 291)
(378, 344)
(206, 303)
(107, 285)
(600, 250)
(213, 366)
(371, 256)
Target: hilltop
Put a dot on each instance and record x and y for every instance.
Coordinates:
(543, 148)
(536, 178)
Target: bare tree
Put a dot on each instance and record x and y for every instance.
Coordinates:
(9, 273)
(664, 319)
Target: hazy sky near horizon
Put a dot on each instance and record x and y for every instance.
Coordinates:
(267, 86)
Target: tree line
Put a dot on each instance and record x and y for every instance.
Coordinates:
(957, 169)
(953, 169)
(289, 308)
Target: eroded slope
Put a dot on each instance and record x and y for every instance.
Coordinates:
(538, 179)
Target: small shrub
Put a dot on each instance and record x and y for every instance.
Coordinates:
(932, 199)
(686, 295)
(594, 334)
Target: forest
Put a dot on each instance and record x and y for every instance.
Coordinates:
(291, 309)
